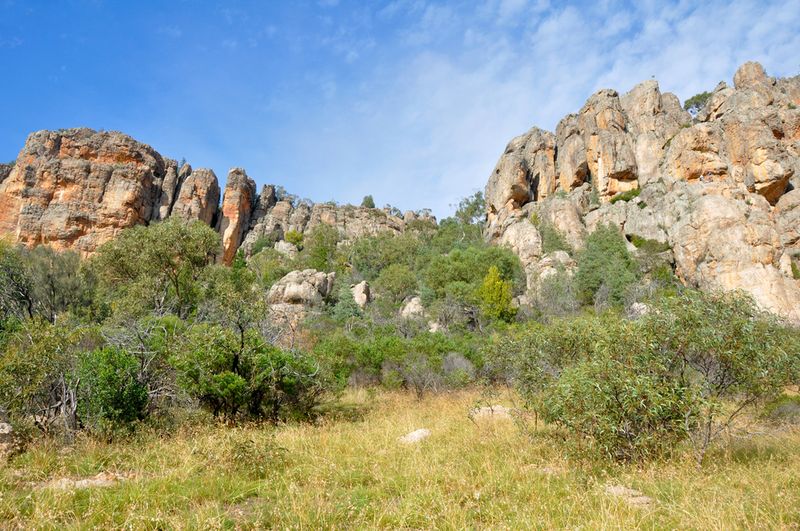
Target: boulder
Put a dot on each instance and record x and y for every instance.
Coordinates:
(308, 288)
(415, 436)
(361, 294)
(412, 309)
(287, 249)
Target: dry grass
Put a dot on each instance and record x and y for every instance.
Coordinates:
(484, 474)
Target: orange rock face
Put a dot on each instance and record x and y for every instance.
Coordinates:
(237, 207)
(77, 188)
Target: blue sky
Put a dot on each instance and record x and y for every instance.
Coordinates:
(409, 100)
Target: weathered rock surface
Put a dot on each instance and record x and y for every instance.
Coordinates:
(719, 190)
(78, 188)
(308, 288)
(361, 294)
(237, 206)
(412, 309)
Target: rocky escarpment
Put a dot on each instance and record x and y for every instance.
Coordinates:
(77, 188)
(721, 190)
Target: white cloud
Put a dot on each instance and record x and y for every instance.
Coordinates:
(442, 117)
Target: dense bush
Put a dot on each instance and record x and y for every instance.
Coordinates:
(110, 394)
(634, 389)
(245, 377)
(156, 267)
(605, 267)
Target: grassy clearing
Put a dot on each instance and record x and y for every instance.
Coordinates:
(483, 474)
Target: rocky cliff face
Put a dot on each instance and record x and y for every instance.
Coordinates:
(77, 188)
(721, 190)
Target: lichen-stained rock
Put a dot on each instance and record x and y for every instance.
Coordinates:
(787, 214)
(237, 206)
(525, 172)
(198, 197)
(77, 188)
(749, 75)
(731, 243)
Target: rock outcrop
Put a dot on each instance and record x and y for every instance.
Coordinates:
(237, 206)
(718, 190)
(78, 188)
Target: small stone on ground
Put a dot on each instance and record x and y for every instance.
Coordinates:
(631, 496)
(415, 436)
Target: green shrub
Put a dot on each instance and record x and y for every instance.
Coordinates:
(626, 196)
(635, 389)
(244, 377)
(795, 270)
(264, 242)
(495, 295)
(397, 282)
(368, 202)
(605, 262)
(552, 239)
(649, 246)
(110, 395)
(697, 102)
(319, 248)
(294, 237)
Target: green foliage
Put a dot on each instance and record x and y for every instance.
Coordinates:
(294, 237)
(470, 265)
(319, 248)
(16, 286)
(795, 270)
(269, 266)
(236, 376)
(557, 295)
(110, 395)
(649, 246)
(552, 239)
(346, 307)
(37, 375)
(495, 296)
(264, 242)
(59, 283)
(471, 209)
(397, 282)
(626, 196)
(369, 256)
(635, 389)
(368, 202)
(605, 263)
(696, 103)
(156, 267)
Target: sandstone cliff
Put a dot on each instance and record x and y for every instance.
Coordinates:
(720, 190)
(77, 188)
